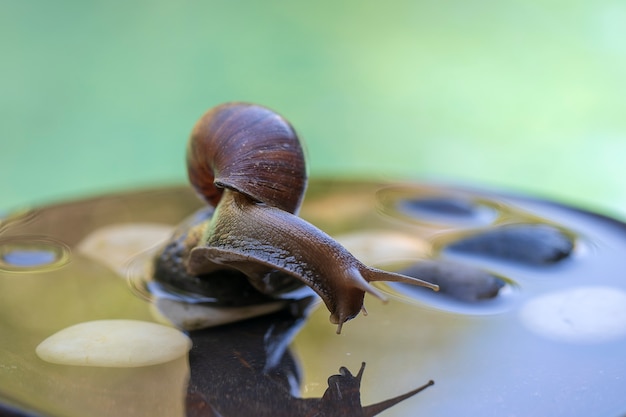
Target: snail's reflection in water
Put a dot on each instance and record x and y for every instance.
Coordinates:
(247, 369)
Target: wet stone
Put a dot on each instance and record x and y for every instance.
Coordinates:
(442, 206)
(114, 343)
(32, 254)
(227, 288)
(29, 258)
(531, 244)
(458, 281)
(454, 210)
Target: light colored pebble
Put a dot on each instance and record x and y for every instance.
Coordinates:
(191, 316)
(578, 315)
(114, 343)
(115, 245)
(374, 247)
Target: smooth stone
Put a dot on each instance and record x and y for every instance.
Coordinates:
(578, 315)
(226, 288)
(446, 206)
(189, 316)
(114, 343)
(117, 244)
(532, 244)
(458, 281)
(447, 210)
(374, 247)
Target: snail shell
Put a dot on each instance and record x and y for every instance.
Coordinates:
(247, 161)
(249, 149)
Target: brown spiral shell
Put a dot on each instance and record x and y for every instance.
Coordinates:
(249, 149)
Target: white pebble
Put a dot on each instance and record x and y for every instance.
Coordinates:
(578, 315)
(114, 343)
(189, 316)
(373, 247)
(115, 245)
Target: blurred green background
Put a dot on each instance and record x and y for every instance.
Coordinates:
(98, 96)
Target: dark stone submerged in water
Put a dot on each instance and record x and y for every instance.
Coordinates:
(458, 281)
(446, 206)
(531, 244)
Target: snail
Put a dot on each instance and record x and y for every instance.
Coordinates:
(247, 162)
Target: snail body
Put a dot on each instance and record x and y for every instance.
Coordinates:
(248, 163)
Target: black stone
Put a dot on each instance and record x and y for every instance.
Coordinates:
(531, 244)
(226, 288)
(458, 281)
(445, 206)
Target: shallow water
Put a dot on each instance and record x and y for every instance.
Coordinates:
(551, 342)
